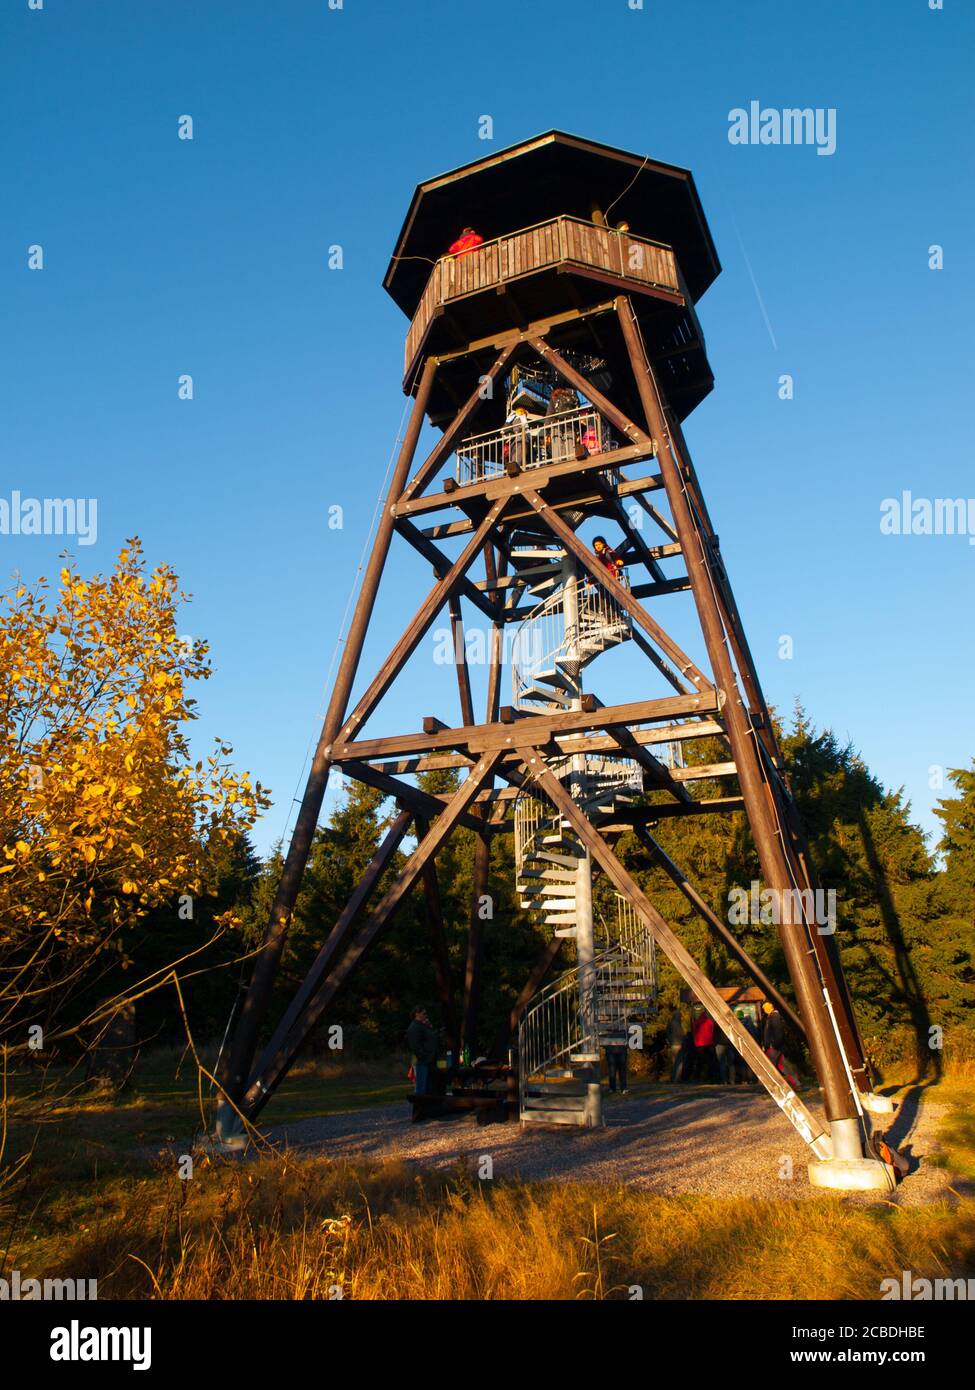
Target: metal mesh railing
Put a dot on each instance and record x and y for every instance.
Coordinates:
(532, 442)
(545, 642)
(559, 1025)
(534, 819)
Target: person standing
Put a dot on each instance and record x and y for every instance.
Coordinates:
(703, 1035)
(562, 438)
(516, 440)
(745, 1073)
(421, 1039)
(722, 1048)
(468, 241)
(773, 1043)
(676, 1045)
(608, 556)
(616, 1060)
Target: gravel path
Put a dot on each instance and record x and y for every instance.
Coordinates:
(724, 1143)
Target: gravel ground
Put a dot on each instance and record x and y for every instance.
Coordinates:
(724, 1143)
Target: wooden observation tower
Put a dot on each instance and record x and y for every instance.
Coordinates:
(558, 350)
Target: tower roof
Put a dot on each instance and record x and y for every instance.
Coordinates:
(538, 179)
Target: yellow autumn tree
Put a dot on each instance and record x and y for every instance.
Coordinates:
(103, 812)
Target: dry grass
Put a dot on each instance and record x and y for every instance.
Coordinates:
(297, 1228)
(288, 1228)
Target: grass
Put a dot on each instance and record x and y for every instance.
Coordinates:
(289, 1227)
(73, 1124)
(957, 1130)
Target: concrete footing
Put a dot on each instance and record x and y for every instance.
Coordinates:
(852, 1175)
(877, 1105)
(848, 1170)
(229, 1135)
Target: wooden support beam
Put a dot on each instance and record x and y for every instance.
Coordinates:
(505, 486)
(453, 432)
(243, 1045)
(459, 637)
(685, 965)
(519, 512)
(533, 729)
(719, 930)
(676, 585)
(608, 581)
(413, 635)
(338, 937)
(594, 743)
(602, 403)
(475, 941)
(538, 328)
(646, 815)
(658, 772)
(638, 591)
(438, 939)
(640, 547)
(779, 868)
(419, 802)
(656, 516)
(652, 655)
(441, 564)
(276, 1062)
(695, 772)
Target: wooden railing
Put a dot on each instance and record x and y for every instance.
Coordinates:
(559, 241)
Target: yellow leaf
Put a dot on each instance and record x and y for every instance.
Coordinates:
(138, 850)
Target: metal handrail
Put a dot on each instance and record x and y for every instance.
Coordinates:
(567, 1018)
(548, 640)
(622, 255)
(553, 1029)
(534, 818)
(503, 243)
(541, 440)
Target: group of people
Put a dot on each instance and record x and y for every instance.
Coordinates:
(557, 438)
(706, 1055)
(703, 1053)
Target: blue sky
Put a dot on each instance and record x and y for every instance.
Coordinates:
(311, 127)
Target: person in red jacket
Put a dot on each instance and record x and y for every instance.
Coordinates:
(702, 1033)
(467, 242)
(608, 555)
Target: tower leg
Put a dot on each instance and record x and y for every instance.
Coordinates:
(779, 870)
(240, 1055)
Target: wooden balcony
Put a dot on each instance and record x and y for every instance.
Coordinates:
(563, 244)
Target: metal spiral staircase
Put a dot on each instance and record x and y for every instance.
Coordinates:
(613, 983)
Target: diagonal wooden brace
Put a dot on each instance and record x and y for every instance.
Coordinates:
(275, 1064)
(773, 1081)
